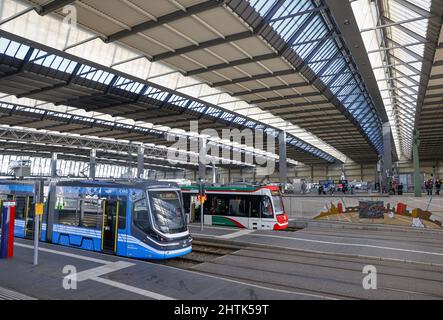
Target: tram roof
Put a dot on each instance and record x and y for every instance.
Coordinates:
(231, 187)
(141, 184)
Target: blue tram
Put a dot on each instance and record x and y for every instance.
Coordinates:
(142, 219)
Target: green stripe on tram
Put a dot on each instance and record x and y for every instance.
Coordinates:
(223, 221)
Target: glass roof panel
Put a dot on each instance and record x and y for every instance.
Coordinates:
(304, 27)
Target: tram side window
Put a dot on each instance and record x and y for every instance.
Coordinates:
(186, 202)
(266, 205)
(90, 212)
(141, 214)
(67, 211)
(122, 214)
(255, 206)
(239, 206)
(217, 205)
(20, 207)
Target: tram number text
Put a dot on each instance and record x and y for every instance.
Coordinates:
(239, 309)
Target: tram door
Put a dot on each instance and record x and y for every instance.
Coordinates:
(25, 211)
(254, 209)
(110, 225)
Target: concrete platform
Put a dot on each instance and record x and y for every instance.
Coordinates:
(108, 277)
(330, 261)
(6, 294)
(395, 244)
(275, 268)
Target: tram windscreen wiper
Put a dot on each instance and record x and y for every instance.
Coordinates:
(167, 211)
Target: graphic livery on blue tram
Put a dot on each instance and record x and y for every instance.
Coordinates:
(133, 219)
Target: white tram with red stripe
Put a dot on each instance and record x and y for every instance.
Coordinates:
(250, 207)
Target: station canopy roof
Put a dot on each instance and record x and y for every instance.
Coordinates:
(285, 65)
(430, 115)
(404, 43)
(285, 59)
(36, 72)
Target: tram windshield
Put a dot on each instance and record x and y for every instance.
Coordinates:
(278, 203)
(167, 211)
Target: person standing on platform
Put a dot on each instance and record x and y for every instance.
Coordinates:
(400, 189)
(437, 186)
(429, 185)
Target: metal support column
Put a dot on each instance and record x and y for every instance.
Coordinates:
(387, 157)
(282, 167)
(54, 165)
(140, 162)
(214, 173)
(417, 180)
(202, 160)
(92, 164)
(39, 187)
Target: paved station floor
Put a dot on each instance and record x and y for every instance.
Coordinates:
(103, 276)
(313, 263)
(396, 244)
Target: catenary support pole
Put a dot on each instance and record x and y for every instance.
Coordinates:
(54, 165)
(92, 164)
(140, 162)
(387, 157)
(202, 160)
(39, 187)
(415, 157)
(282, 166)
(214, 174)
(202, 176)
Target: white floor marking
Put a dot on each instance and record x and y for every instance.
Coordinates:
(100, 271)
(159, 296)
(352, 244)
(94, 273)
(136, 290)
(236, 234)
(6, 294)
(72, 255)
(253, 285)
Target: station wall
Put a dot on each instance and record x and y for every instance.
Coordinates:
(353, 171)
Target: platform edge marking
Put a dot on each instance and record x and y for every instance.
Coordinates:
(67, 254)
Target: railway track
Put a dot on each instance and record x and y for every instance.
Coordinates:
(208, 252)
